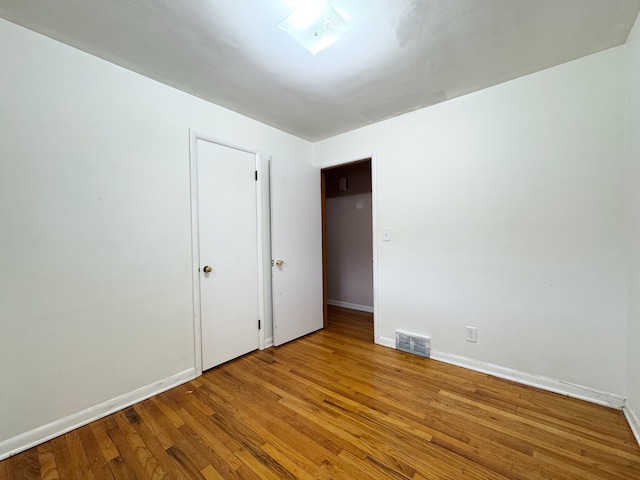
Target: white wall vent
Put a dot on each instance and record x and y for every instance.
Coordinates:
(413, 344)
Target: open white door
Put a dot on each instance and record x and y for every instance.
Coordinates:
(296, 245)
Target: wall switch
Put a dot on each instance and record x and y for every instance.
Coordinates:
(471, 334)
(386, 234)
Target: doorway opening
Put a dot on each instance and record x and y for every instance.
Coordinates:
(347, 242)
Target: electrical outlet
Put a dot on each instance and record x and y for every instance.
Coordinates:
(471, 334)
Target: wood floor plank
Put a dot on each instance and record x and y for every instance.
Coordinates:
(591, 430)
(14, 468)
(120, 470)
(333, 406)
(308, 434)
(78, 458)
(134, 460)
(99, 429)
(185, 464)
(66, 469)
(185, 442)
(47, 460)
(151, 423)
(210, 473)
(97, 462)
(152, 443)
(5, 472)
(222, 459)
(272, 426)
(298, 466)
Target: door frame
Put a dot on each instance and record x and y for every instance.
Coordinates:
(374, 230)
(194, 136)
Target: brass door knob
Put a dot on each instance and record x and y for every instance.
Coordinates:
(279, 263)
(207, 269)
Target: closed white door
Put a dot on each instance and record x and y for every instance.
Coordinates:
(228, 252)
(296, 245)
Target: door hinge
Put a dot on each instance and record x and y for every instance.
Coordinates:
(259, 324)
(256, 175)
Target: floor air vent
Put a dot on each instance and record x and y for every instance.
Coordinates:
(413, 344)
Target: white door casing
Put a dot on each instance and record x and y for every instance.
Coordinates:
(226, 238)
(374, 227)
(296, 236)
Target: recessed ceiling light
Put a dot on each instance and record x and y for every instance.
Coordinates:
(315, 25)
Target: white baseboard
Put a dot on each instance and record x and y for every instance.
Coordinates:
(545, 383)
(633, 419)
(44, 433)
(387, 342)
(268, 342)
(352, 306)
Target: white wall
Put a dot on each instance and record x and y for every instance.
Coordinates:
(507, 213)
(632, 51)
(95, 242)
(349, 250)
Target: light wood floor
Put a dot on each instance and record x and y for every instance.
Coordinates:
(334, 406)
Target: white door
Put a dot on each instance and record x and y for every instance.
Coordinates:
(228, 245)
(296, 242)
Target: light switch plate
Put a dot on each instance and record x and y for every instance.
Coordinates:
(386, 234)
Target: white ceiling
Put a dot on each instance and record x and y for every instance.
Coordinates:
(400, 56)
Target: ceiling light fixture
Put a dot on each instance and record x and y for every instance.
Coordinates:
(315, 25)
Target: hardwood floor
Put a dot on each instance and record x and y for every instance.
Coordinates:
(333, 405)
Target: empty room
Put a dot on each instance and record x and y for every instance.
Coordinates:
(300, 239)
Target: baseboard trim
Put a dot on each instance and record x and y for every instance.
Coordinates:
(633, 419)
(54, 429)
(545, 383)
(387, 342)
(268, 342)
(352, 306)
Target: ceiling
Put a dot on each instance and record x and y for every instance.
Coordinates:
(401, 55)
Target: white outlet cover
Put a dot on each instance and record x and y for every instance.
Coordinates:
(471, 334)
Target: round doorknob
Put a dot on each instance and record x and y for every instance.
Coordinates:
(279, 263)
(207, 269)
